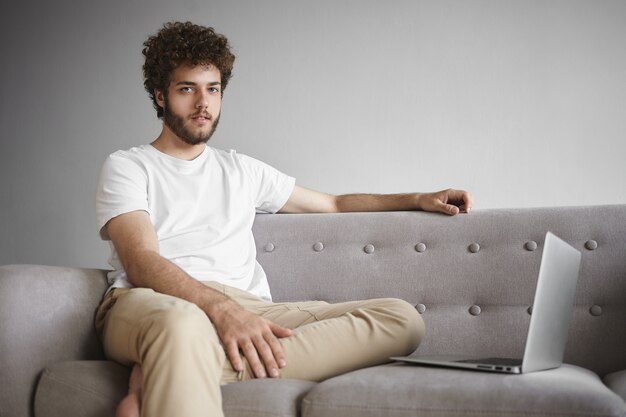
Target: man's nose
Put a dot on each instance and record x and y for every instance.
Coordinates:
(202, 100)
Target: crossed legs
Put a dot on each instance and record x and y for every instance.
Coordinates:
(183, 363)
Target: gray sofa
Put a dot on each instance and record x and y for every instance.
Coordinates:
(472, 277)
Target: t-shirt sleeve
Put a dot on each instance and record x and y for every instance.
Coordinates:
(271, 189)
(122, 188)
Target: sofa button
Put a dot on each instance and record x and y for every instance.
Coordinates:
(420, 247)
(595, 310)
(474, 247)
(529, 310)
(421, 308)
(591, 245)
(269, 247)
(531, 245)
(369, 249)
(475, 310)
(318, 247)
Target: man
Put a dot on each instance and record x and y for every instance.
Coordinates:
(189, 305)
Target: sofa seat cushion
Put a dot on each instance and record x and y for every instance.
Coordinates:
(617, 382)
(87, 388)
(404, 390)
(265, 397)
(93, 388)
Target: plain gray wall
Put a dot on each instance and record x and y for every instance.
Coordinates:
(521, 102)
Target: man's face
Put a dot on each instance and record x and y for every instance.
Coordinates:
(191, 108)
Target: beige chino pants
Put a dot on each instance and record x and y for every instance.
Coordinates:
(184, 363)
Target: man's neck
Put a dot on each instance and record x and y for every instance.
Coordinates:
(172, 145)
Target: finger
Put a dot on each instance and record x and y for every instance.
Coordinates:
(442, 207)
(280, 331)
(267, 355)
(468, 202)
(277, 351)
(250, 352)
(232, 352)
(450, 209)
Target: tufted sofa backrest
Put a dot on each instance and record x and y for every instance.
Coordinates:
(472, 277)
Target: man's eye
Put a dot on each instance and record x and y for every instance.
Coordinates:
(186, 89)
(214, 90)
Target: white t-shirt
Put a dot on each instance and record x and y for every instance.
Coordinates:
(202, 210)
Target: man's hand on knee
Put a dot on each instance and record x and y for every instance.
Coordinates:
(257, 338)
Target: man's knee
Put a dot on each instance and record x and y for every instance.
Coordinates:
(408, 320)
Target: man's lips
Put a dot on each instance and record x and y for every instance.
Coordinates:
(201, 118)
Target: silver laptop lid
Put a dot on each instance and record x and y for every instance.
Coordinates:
(552, 309)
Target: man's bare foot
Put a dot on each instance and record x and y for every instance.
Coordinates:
(130, 406)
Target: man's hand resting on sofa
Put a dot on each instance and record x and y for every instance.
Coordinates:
(447, 201)
(450, 201)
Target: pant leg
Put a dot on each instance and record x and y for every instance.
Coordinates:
(332, 339)
(175, 344)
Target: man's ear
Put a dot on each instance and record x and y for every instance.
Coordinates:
(160, 99)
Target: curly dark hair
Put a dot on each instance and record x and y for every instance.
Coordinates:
(183, 43)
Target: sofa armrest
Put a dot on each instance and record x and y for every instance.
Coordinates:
(46, 316)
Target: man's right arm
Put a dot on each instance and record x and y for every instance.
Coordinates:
(136, 243)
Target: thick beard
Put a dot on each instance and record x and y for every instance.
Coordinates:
(176, 124)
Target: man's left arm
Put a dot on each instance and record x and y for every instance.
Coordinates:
(450, 201)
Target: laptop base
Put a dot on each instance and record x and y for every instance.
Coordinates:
(499, 365)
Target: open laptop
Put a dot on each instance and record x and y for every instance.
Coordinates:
(549, 323)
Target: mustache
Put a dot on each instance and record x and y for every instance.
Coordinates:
(203, 114)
